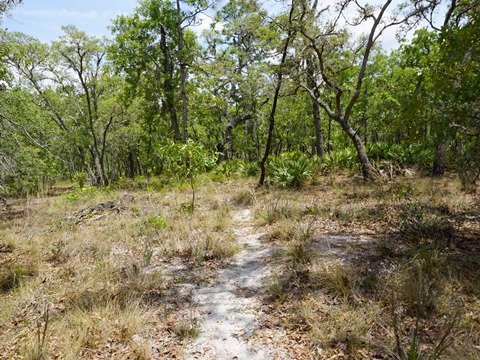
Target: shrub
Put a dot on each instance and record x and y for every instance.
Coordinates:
(291, 173)
(467, 162)
(81, 179)
(400, 155)
(404, 191)
(157, 222)
(249, 169)
(422, 222)
(345, 158)
(82, 194)
(228, 168)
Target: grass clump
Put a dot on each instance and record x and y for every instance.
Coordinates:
(245, 197)
(337, 281)
(421, 282)
(342, 327)
(14, 273)
(277, 289)
(421, 222)
(213, 247)
(84, 331)
(271, 212)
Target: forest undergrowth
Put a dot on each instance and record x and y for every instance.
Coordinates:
(361, 270)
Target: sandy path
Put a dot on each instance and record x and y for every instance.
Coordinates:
(229, 308)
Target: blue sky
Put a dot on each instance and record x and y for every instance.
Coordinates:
(43, 19)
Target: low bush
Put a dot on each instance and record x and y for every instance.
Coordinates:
(420, 222)
(401, 155)
(229, 168)
(341, 159)
(290, 173)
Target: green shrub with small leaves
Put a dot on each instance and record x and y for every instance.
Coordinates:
(186, 162)
(157, 222)
(82, 194)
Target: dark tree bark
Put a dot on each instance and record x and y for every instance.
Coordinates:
(317, 120)
(271, 122)
(368, 171)
(168, 85)
(232, 123)
(440, 155)
(183, 74)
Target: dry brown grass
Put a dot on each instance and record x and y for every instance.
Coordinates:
(341, 296)
(101, 276)
(112, 283)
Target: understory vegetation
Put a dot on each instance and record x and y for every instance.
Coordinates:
(377, 271)
(360, 270)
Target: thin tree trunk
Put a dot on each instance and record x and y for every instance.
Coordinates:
(440, 155)
(168, 86)
(183, 73)
(271, 122)
(329, 138)
(317, 120)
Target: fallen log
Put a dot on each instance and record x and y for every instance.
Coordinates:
(115, 205)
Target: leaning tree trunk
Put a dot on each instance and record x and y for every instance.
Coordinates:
(368, 171)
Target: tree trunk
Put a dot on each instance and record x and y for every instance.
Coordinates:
(183, 73)
(440, 155)
(317, 120)
(271, 122)
(99, 173)
(329, 138)
(368, 171)
(168, 86)
(228, 142)
(232, 123)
